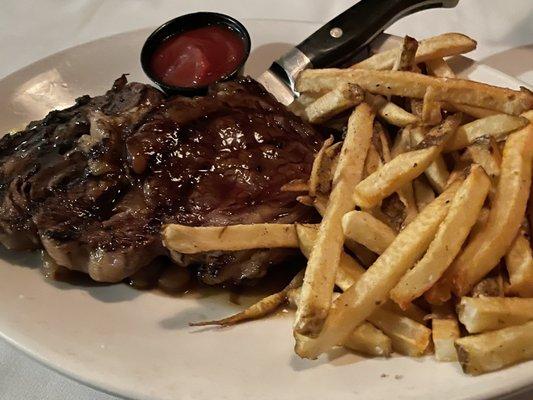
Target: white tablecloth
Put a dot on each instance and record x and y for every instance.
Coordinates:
(30, 30)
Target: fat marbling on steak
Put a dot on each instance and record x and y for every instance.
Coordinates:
(94, 183)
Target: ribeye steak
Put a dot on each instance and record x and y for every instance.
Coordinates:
(93, 184)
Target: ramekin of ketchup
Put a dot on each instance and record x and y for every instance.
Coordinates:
(187, 54)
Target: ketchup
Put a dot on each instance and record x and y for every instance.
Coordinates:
(198, 57)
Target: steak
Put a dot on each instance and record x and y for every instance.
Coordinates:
(93, 184)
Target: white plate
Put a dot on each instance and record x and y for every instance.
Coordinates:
(138, 344)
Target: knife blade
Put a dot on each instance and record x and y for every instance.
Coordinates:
(339, 40)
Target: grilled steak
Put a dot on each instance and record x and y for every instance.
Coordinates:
(94, 183)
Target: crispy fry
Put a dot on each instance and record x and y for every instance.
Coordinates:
(453, 231)
(413, 312)
(476, 112)
(297, 185)
(445, 330)
(448, 44)
(372, 289)
(319, 278)
(519, 261)
(306, 200)
(260, 309)
(408, 337)
(320, 203)
(404, 167)
(483, 314)
(407, 197)
(440, 68)
(437, 172)
(480, 153)
(348, 271)
(372, 162)
(405, 193)
(334, 102)
(405, 61)
(431, 109)
(365, 339)
(423, 192)
(497, 126)
(390, 112)
(485, 250)
(363, 228)
(402, 143)
(490, 286)
(411, 84)
(494, 350)
(191, 240)
(319, 181)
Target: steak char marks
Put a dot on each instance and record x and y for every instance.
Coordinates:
(93, 184)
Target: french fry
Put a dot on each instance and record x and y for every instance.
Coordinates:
(390, 112)
(372, 162)
(452, 233)
(494, 350)
(476, 112)
(437, 172)
(482, 219)
(411, 84)
(485, 250)
(305, 99)
(405, 193)
(497, 126)
(407, 197)
(320, 181)
(365, 339)
(320, 203)
(423, 192)
(334, 102)
(440, 68)
(404, 167)
(297, 185)
(402, 143)
(413, 312)
(358, 302)
(519, 262)
(321, 268)
(362, 227)
(483, 314)
(490, 286)
(448, 44)
(408, 336)
(431, 109)
(260, 309)
(348, 271)
(383, 144)
(405, 61)
(305, 200)
(480, 153)
(444, 331)
(190, 240)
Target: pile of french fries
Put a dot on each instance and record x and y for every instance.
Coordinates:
(423, 246)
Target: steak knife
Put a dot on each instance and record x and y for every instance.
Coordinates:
(339, 40)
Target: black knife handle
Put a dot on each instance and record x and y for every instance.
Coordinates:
(346, 34)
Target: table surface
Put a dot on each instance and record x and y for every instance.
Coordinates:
(30, 30)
